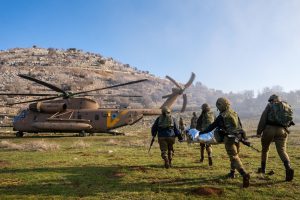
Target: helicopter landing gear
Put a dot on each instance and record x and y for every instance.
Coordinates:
(19, 134)
(82, 134)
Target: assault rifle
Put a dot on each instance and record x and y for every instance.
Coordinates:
(248, 144)
(152, 141)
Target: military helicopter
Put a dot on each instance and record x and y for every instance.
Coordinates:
(66, 113)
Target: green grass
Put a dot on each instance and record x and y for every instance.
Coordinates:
(119, 167)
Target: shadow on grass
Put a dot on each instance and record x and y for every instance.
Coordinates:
(89, 181)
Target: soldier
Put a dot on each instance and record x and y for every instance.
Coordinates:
(229, 122)
(271, 129)
(205, 119)
(194, 120)
(182, 127)
(166, 127)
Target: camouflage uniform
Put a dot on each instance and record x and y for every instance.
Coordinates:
(205, 119)
(194, 121)
(228, 121)
(273, 132)
(182, 127)
(166, 128)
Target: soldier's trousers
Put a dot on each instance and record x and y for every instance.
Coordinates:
(232, 149)
(279, 136)
(208, 149)
(166, 147)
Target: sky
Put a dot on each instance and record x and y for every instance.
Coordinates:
(231, 45)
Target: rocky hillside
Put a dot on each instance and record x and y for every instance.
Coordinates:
(76, 70)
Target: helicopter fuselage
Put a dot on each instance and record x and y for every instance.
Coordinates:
(54, 116)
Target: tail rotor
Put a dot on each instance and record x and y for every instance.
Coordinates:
(178, 90)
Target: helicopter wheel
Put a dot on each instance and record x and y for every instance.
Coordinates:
(82, 134)
(19, 134)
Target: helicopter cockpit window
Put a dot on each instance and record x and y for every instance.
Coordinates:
(96, 117)
(21, 116)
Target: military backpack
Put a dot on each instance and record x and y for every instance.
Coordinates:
(281, 114)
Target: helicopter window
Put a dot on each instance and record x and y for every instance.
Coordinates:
(114, 115)
(96, 117)
(79, 117)
(21, 116)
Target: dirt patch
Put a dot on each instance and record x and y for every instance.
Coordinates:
(138, 168)
(4, 163)
(207, 191)
(118, 175)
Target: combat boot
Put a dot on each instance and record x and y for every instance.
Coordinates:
(231, 174)
(167, 165)
(170, 162)
(246, 180)
(201, 159)
(210, 163)
(262, 169)
(201, 153)
(289, 172)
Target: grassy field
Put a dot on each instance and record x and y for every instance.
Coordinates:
(119, 167)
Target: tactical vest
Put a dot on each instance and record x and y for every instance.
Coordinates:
(207, 119)
(165, 121)
(280, 114)
(231, 122)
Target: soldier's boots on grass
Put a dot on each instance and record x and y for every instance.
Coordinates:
(170, 162)
(210, 163)
(201, 159)
(167, 165)
(289, 172)
(262, 169)
(231, 174)
(246, 180)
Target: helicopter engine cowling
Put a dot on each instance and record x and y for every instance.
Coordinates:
(47, 107)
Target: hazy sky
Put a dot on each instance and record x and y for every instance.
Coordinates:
(232, 45)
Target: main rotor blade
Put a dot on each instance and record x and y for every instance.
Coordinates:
(190, 81)
(173, 81)
(28, 94)
(110, 95)
(48, 85)
(113, 86)
(184, 103)
(36, 100)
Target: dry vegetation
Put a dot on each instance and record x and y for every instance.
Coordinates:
(29, 146)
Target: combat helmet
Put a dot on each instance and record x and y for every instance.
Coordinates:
(222, 104)
(205, 107)
(273, 97)
(165, 110)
